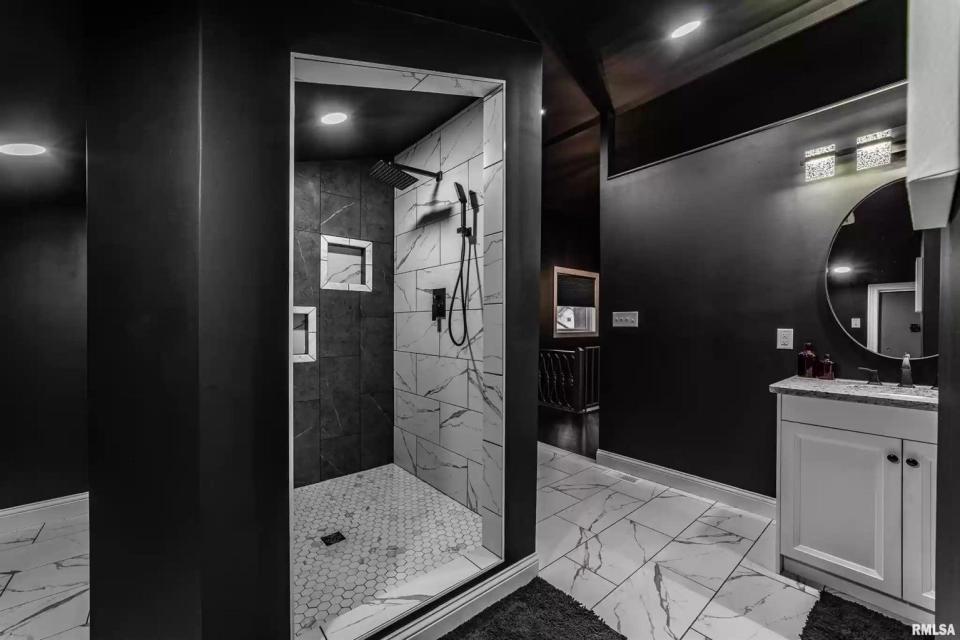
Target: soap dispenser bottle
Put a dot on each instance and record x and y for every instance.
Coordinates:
(906, 372)
(827, 368)
(807, 361)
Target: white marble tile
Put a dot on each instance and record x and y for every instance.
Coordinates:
(423, 154)
(557, 537)
(405, 450)
(355, 75)
(437, 83)
(474, 480)
(653, 604)
(742, 523)
(493, 198)
(493, 129)
(388, 604)
(493, 338)
(418, 249)
(550, 501)
(639, 488)
(417, 333)
(445, 276)
(548, 475)
(585, 483)
(491, 490)
(764, 550)
(461, 431)
(417, 415)
(546, 453)
(704, 554)
(572, 464)
(600, 510)
(443, 379)
(693, 634)
(442, 469)
(451, 241)
(405, 291)
(482, 557)
(46, 616)
(619, 550)
(77, 633)
(46, 580)
(492, 532)
(11, 539)
(752, 606)
(40, 553)
(471, 349)
(583, 585)
(405, 212)
(475, 381)
(493, 408)
(475, 176)
(493, 268)
(405, 371)
(461, 138)
(670, 512)
(748, 565)
(437, 201)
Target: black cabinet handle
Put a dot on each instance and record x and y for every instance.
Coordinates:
(912, 462)
(893, 458)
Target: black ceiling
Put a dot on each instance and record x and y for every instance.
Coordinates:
(382, 122)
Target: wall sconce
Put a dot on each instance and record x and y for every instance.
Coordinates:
(874, 150)
(820, 163)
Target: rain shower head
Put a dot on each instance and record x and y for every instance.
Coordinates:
(398, 175)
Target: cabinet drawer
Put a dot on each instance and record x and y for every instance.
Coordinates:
(894, 422)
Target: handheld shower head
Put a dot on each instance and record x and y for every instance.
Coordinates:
(461, 194)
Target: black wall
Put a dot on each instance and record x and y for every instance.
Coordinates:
(716, 250)
(343, 401)
(42, 256)
(189, 204)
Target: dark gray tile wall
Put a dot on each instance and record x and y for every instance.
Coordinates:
(343, 402)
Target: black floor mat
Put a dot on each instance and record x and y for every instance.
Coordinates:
(537, 611)
(834, 618)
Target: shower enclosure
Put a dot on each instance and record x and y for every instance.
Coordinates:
(397, 348)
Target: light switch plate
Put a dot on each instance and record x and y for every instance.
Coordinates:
(625, 319)
(784, 338)
(854, 323)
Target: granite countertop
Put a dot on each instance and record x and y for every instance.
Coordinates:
(889, 394)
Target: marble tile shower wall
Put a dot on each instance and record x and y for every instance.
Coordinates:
(449, 399)
(343, 402)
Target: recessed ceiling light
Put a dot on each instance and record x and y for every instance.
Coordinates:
(333, 118)
(842, 269)
(22, 149)
(685, 29)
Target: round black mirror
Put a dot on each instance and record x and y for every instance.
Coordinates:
(883, 277)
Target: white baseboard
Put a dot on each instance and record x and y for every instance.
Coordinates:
(735, 497)
(455, 612)
(887, 605)
(29, 515)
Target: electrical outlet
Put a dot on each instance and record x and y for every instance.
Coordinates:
(784, 338)
(854, 323)
(625, 319)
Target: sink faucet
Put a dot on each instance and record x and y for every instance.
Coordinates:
(873, 376)
(906, 373)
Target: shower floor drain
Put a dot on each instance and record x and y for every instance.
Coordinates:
(333, 538)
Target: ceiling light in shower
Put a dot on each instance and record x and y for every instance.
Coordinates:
(820, 163)
(874, 150)
(22, 149)
(335, 117)
(685, 29)
(842, 269)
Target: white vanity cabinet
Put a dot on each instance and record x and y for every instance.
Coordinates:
(857, 498)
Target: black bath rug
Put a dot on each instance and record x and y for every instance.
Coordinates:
(537, 611)
(834, 618)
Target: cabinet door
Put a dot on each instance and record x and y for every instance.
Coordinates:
(919, 522)
(841, 507)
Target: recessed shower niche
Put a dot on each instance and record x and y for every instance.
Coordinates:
(397, 431)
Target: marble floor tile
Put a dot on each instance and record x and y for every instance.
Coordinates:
(482, 557)
(751, 606)
(583, 585)
(742, 523)
(764, 550)
(704, 554)
(46, 616)
(670, 512)
(40, 553)
(653, 604)
(546, 453)
(571, 464)
(81, 632)
(600, 510)
(550, 501)
(693, 634)
(586, 483)
(639, 488)
(11, 539)
(556, 536)
(619, 550)
(548, 475)
(46, 580)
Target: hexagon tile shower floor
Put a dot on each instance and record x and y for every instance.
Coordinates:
(395, 528)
